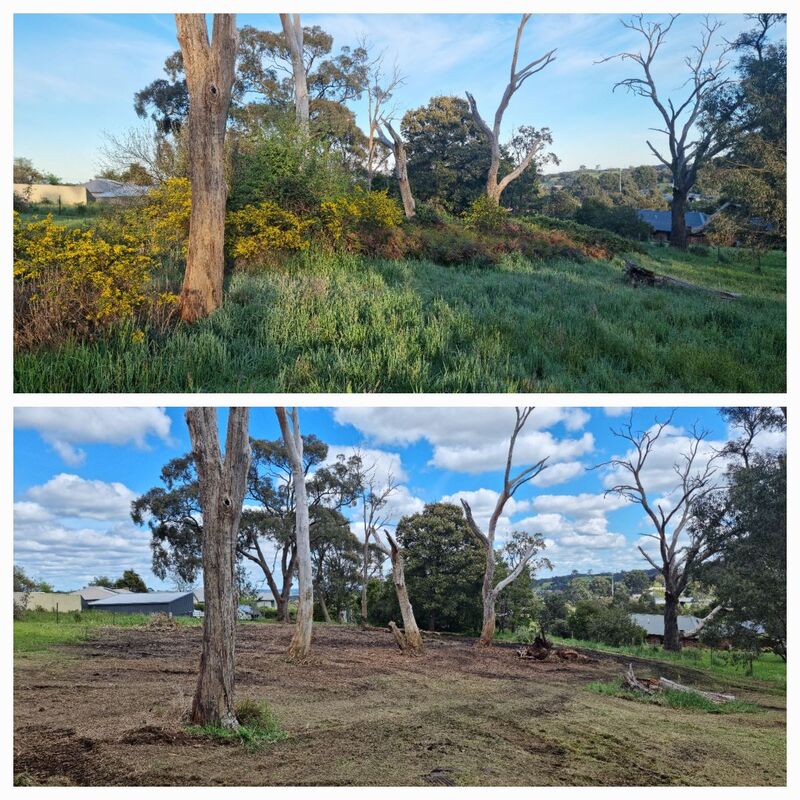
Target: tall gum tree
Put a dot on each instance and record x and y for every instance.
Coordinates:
(511, 484)
(293, 33)
(398, 148)
(495, 187)
(693, 139)
(209, 68)
(300, 646)
(222, 484)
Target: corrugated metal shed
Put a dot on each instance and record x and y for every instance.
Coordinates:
(106, 189)
(654, 623)
(175, 603)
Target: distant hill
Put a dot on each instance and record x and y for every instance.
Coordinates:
(561, 582)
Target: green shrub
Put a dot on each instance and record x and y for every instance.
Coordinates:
(610, 625)
(485, 214)
(622, 220)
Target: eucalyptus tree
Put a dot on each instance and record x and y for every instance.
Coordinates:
(533, 145)
(221, 485)
(532, 545)
(209, 69)
(693, 138)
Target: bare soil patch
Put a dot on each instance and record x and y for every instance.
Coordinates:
(112, 712)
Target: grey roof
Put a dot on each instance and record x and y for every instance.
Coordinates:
(654, 623)
(661, 221)
(140, 598)
(104, 187)
(90, 593)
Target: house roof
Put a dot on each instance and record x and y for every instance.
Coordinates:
(104, 187)
(661, 221)
(654, 623)
(141, 598)
(96, 592)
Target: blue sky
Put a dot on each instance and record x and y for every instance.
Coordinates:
(77, 470)
(75, 76)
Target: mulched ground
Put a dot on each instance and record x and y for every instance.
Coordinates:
(112, 712)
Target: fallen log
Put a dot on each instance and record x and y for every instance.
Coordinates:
(637, 276)
(716, 697)
(651, 686)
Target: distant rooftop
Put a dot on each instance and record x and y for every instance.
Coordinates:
(661, 221)
(654, 623)
(139, 598)
(105, 187)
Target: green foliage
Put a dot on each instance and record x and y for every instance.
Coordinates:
(258, 727)
(444, 568)
(621, 220)
(485, 214)
(259, 233)
(448, 156)
(281, 165)
(131, 580)
(612, 625)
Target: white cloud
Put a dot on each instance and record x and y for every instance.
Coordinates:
(68, 495)
(65, 428)
(616, 411)
(579, 505)
(385, 464)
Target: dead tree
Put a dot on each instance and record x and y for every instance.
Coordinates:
(690, 145)
(490, 590)
(494, 188)
(410, 640)
(209, 79)
(293, 33)
(374, 496)
(222, 485)
(380, 89)
(300, 646)
(681, 547)
(398, 148)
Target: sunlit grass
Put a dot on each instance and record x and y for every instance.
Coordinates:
(326, 323)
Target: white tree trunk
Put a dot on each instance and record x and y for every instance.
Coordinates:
(293, 33)
(300, 646)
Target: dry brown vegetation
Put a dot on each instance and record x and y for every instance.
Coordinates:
(109, 712)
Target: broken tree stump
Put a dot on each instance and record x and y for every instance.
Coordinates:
(638, 276)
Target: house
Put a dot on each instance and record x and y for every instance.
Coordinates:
(176, 604)
(265, 599)
(660, 223)
(653, 625)
(245, 612)
(105, 190)
(48, 601)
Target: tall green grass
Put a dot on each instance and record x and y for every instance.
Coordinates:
(325, 323)
(768, 667)
(40, 631)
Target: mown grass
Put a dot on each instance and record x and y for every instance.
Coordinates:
(258, 727)
(324, 323)
(42, 630)
(671, 698)
(768, 667)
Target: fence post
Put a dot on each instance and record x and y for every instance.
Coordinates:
(56, 613)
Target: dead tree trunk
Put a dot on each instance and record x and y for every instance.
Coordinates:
(222, 486)
(300, 646)
(490, 591)
(293, 33)
(410, 639)
(637, 275)
(209, 79)
(679, 237)
(323, 606)
(672, 636)
(494, 188)
(398, 147)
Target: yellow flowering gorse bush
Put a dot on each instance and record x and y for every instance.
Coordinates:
(257, 231)
(167, 213)
(73, 281)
